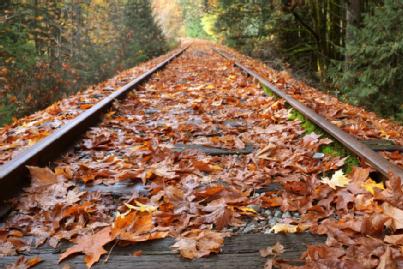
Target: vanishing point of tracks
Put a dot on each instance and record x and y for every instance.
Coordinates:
(172, 116)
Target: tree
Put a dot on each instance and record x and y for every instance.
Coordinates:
(374, 77)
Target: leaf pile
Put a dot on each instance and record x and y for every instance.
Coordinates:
(201, 100)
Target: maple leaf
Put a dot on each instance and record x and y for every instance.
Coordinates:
(199, 243)
(370, 185)
(42, 176)
(91, 245)
(337, 180)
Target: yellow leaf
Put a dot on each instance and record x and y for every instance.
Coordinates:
(141, 207)
(284, 228)
(338, 180)
(289, 228)
(210, 87)
(370, 185)
(247, 210)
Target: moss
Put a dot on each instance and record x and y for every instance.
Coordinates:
(334, 149)
(307, 125)
(268, 91)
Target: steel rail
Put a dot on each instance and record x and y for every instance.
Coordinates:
(374, 159)
(14, 175)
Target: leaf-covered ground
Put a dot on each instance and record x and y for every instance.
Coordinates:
(197, 147)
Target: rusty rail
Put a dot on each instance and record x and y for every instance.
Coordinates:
(374, 159)
(14, 175)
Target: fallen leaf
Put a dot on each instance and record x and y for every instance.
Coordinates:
(24, 263)
(337, 180)
(91, 245)
(395, 239)
(395, 213)
(386, 261)
(42, 176)
(288, 228)
(277, 249)
(268, 264)
(284, 228)
(199, 243)
(141, 207)
(370, 185)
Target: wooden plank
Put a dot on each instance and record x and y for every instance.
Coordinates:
(213, 151)
(240, 251)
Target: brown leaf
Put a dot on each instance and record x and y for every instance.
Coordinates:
(23, 263)
(199, 243)
(386, 261)
(395, 213)
(42, 176)
(396, 239)
(91, 245)
(268, 264)
(277, 249)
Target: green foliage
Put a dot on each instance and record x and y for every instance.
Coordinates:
(374, 75)
(193, 12)
(6, 112)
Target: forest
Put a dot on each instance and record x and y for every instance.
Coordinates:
(50, 49)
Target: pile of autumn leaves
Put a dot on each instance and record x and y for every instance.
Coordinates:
(361, 219)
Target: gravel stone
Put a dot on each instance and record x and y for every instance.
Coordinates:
(249, 228)
(277, 213)
(273, 221)
(267, 213)
(286, 215)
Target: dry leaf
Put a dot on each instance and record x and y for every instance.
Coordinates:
(288, 228)
(24, 263)
(141, 207)
(371, 185)
(91, 245)
(199, 243)
(396, 239)
(337, 180)
(277, 249)
(395, 213)
(42, 176)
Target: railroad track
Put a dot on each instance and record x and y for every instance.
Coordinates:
(14, 174)
(359, 148)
